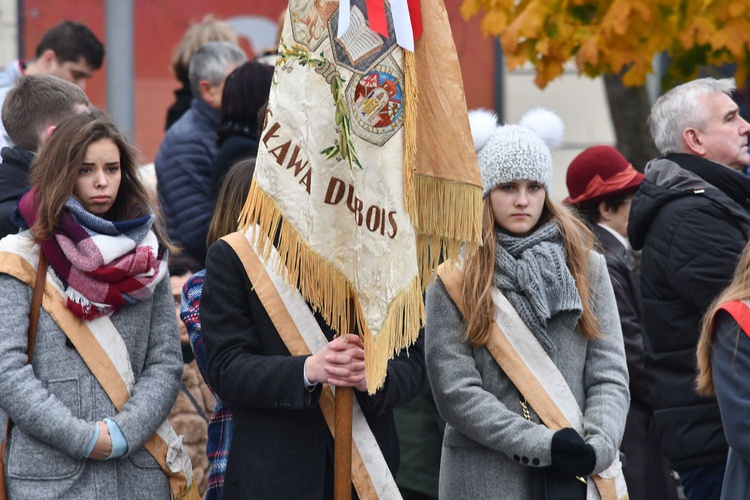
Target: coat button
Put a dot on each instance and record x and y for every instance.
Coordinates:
(525, 460)
(535, 462)
(516, 458)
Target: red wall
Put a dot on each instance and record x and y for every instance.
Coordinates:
(160, 24)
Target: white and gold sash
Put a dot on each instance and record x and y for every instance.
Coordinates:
(302, 335)
(521, 356)
(102, 349)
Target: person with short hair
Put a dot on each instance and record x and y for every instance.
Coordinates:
(184, 162)
(68, 50)
(209, 29)
(31, 111)
(89, 410)
(691, 218)
(601, 183)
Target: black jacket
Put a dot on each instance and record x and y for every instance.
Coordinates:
(14, 172)
(281, 447)
(691, 232)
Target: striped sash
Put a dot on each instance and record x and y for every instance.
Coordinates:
(302, 335)
(102, 349)
(521, 356)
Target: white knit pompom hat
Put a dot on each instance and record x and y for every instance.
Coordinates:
(515, 152)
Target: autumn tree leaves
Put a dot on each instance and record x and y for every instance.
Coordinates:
(618, 36)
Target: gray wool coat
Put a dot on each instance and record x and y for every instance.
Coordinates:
(54, 407)
(489, 448)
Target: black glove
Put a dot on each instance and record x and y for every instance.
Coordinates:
(571, 455)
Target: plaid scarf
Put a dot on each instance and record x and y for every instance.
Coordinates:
(103, 264)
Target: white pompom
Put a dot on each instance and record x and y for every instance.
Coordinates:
(483, 123)
(546, 125)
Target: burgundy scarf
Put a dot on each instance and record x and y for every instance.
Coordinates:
(103, 264)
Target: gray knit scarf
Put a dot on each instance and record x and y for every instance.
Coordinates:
(532, 273)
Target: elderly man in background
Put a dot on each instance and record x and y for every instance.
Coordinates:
(691, 217)
(184, 163)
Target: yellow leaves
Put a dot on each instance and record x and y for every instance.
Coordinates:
(548, 72)
(735, 37)
(616, 19)
(469, 8)
(609, 36)
(589, 52)
(697, 33)
(494, 23)
(737, 9)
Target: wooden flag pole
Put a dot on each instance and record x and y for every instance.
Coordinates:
(342, 447)
(342, 453)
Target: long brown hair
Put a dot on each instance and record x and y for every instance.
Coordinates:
(738, 289)
(479, 271)
(54, 171)
(231, 199)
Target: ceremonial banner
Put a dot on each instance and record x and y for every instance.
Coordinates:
(366, 174)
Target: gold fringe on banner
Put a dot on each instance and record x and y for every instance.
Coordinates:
(446, 218)
(411, 95)
(328, 290)
(442, 187)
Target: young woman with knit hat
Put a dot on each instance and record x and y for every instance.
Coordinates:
(524, 347)
(89, 397)
(601, 183)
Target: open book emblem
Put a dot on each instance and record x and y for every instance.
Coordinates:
(359, 41)
(359, 49)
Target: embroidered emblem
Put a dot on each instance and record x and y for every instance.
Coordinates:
(360, 48)
(376, 100)
(309, 22)
(343, 148)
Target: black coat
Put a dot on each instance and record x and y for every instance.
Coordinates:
(232, 150)
(14, 172)
(647, 472)
(182, 99)
(691, 232)
(281, 447)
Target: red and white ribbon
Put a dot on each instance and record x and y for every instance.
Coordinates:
(376, 17)
(402, 24)
(406, 16)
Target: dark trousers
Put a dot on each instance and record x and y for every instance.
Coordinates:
(703, 483)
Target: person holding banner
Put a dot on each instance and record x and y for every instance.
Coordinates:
(89, 400)
(523, 342)
(282, 446)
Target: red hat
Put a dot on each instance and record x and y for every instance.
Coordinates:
(600, 173)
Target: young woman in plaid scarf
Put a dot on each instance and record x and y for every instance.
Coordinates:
(89, 410)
